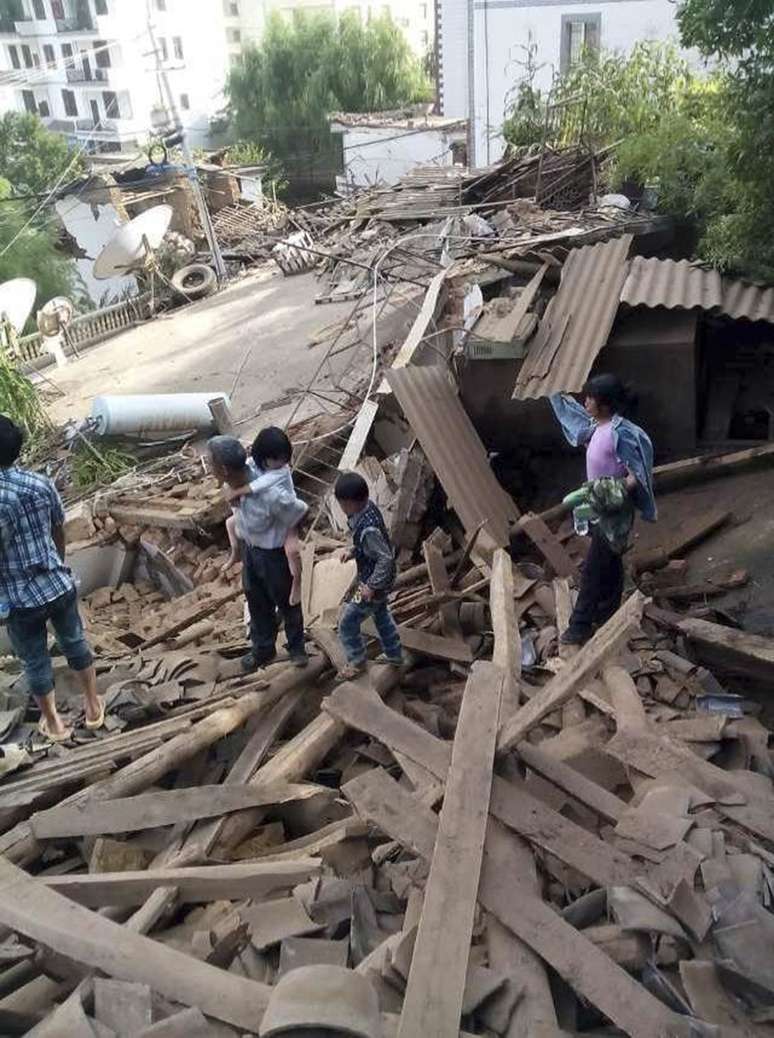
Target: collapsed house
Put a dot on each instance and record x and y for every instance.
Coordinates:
(511, 838)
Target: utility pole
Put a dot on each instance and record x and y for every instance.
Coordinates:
(201, 202)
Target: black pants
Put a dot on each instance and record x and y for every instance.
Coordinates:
(267, 581)
(601, 589)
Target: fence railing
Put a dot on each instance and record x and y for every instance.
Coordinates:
(90, 328)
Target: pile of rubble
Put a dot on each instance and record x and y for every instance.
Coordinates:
(508, 838)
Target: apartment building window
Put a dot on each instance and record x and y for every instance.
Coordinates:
(233, 35)
(161, 5)
(110, 101)
(49, 55)
(67, 55)
(29, 102)
(97, 118)
(101, 54)
(13, 53)
(423, 12)
(164, 49)
(27, 56)
(39, 8)
(100, 6)
(44, 111)
(579, 33)
(232, 9)
(177, 47)
(185, 102)
(70, 104)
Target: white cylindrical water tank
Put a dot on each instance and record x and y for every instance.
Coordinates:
(153, 412)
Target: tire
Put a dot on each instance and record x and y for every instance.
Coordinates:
(197, 280)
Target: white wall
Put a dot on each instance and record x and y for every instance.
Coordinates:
(416, 18)
(370, 158)
(501, 29)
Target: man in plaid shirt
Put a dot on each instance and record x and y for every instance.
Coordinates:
(37, 587)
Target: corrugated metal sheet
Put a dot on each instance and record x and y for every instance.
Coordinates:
(454, 449)
(680, 285)
(577, 321)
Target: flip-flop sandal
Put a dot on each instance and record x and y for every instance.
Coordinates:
(351, 671)
(66, 735)
(94, 726)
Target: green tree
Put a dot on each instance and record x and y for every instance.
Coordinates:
(31, 157)
(34, 252)
(283, 90)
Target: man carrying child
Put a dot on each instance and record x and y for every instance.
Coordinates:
(376, 571)
(266, 515)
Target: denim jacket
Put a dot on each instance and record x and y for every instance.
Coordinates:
(632, 447)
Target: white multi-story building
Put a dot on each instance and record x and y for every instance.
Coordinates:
(482, 48)
(415, 17)
(90, 68)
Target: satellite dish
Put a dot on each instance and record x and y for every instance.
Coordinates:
(55, 316)
(131, 245)
(17, 299)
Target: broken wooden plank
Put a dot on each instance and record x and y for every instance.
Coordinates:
(165, 807)
(689, 534)
(357, 438)
(549, 546)
(573, 782)
(274, 921)
(205, 609)
(440, 583)
(197, 884)
(32, 909)
(507, 640)
(366, 793)
(709, 466)
(436, 983)
(733, 651)
(432, 645)
(586, 968)
(573, 675)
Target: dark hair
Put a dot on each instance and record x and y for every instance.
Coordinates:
(228, 452)
(273, 443)
(610, 392)
(11, 440)
(351, 487)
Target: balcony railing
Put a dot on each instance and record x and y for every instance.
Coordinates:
(80, 24)
(94, 75)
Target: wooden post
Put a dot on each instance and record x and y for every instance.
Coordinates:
(222, 417)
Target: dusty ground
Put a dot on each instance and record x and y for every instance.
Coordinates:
(200, 349)
(747, 542)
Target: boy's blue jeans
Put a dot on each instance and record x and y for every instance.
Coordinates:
(352, 619)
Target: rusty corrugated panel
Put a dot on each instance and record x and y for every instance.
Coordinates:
(674, 285)
(680, 285)
(453, 448)
(577, 321)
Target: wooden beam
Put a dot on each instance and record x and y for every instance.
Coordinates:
(32, 909)
(733, 651)
(432, 645)
(436, 982)
(549, 546)
(586, 968)
(677, 542)
(440, 583)
(572, 782)
(708, 466)
(573, 675)
(194, 885)
(511, 804)
(165, 807)
(507, 638)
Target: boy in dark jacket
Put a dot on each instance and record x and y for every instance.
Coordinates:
(376, 571)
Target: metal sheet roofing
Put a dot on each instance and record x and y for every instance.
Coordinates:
(454, 449)
(577, 322)
(680, 285)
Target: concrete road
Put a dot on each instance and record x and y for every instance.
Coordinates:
(201, 347)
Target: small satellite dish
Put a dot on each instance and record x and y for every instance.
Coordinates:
(130, 247)
(17, 299)
(55, 316)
